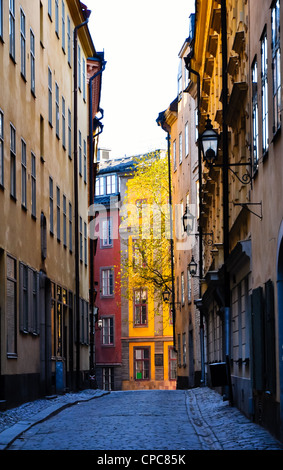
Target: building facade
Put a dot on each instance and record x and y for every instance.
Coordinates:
(236, 53)
(40, 349)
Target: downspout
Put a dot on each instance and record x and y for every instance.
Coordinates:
(91, 198)
(77, 273)
(188, 67)
(226, 196)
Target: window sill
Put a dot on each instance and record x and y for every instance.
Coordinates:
(276, 135)
(24, 208)
(13, 198)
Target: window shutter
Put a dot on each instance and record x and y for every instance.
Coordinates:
(21, 300)
(270, 337)
(257, 339)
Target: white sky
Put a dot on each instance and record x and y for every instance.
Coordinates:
(141, 42)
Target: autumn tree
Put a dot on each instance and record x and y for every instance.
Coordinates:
(146, 223)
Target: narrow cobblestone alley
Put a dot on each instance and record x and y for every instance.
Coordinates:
(180, 421)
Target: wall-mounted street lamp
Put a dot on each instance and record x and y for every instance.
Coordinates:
(166, 294)
(209, 141)
(188, 220)
(192, 267)
(99, 323)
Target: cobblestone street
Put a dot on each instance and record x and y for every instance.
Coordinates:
(181, 420)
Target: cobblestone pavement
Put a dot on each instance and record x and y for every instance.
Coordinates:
(181, 420)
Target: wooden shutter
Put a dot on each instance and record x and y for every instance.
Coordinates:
(257, 339)
(269, 326)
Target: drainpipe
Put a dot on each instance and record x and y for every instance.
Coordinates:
(91, 196)
(188, 67)
(226, 197)
(77, 273)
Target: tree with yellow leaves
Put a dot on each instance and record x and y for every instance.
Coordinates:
(146, 211)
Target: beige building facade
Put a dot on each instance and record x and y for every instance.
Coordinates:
(39, 347)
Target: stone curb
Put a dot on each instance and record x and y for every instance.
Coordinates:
(9, 435)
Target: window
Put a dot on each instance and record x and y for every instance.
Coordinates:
(63, 123)
(108, 331)
(57, 17)
(107, 281)
(79, 68)
(80, 153)
(85, 173)
(51, 218)
(140, 307)
(24, 174)
(141, 363)
(255, 114)
(69, 134)
(100, 186)
(184, 350)
(70, 228)
(64, 221)
(11, 306)
(110, 184)
(33, 185)
(57, 108)
(106, 238)
(179, 350)
(84, 321)
(174, 155)
(29, 297)
(12, 28)
(1, 148)
(180, 81)
(32, 62)
(182, 288)
(63, 25)
(180, 148)
(69, 40)
(1, 19)
(23, 43)
(84, 89)
(85, 242)
(13, 161)
(276, 75)
(50, 8)
(189, 285)
(81, 239)
(264, 86)
(58, 212)
(186, 139)
(172, 364)
(50, 96)
(108, 378)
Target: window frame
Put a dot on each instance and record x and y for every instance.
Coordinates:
(13, 176)
(145, 372)
(23, 42)
(33, 185)
(255, 114)
(107, 331)
(12, 32)
(32, 61)
(264, 91)
(24, 173)
(276, 64)
(107, 281)
(106, 242)
(143, 318)
(51, 206)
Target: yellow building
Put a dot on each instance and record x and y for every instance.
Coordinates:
(148, 356)
(39, 215)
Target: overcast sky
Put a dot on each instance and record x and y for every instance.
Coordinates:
(141, 42)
